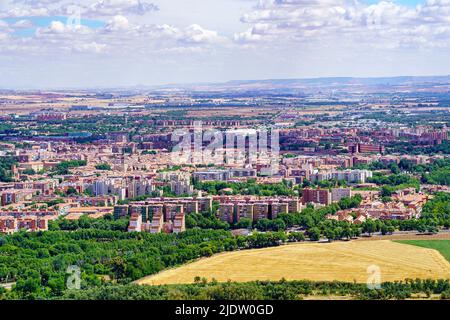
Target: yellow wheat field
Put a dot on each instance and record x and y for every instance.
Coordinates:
(343, 261)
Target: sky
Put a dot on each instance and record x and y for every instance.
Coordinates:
(123, 43)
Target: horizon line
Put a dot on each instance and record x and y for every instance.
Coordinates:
(185, 84)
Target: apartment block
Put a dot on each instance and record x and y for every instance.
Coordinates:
(244, 210)
(32, 223)
(204, 204)
(155, 209)
(179, 223)
(338, 193)
(226, 212)
(322, 196)
(135, 222)
(157, 223)
(141, 210)
(190, 206)
(351, 176)
(260, 211)
(367, 148)
(278, 208)
(15, 196)
(121, 211)
(171, 210)
(243, 173)
(216, 175)
(8, 225)
(294, 205)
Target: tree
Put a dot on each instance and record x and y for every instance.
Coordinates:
(278, 225)
(263, 224)
(103, 166)
(421, 228)
(289, 219)
(391, 229)
(330, 234)
(64, 166)
(296, 237)
(6, 163)
(386, 199)
(71, 191)
(369, 227)
(338, 233)
(29, 172)
(314, 234)
(356, 230)
(432, 229)
(384, 229)
(394, 168)
(347, 232)
(244, 223)
(386, 191)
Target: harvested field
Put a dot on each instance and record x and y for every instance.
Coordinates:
(343, 261)
(408, 236)
(443, 246)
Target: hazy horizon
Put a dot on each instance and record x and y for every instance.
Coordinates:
(181, 85)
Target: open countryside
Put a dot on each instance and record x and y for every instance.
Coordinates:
(443, 246)
(341, 261)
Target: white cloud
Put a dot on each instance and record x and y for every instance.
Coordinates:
(118, 37)
(197, 34)
(254, 34)
(118, 23)
(282, 22)
(18, 12)
(59, 28)
(88, 8)
(121, 32)
(23, 24)
(120, 7)
(320, 20)
(92, 47)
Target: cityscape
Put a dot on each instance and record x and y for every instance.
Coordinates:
(304, 187)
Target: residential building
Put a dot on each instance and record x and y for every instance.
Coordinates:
(322, 196)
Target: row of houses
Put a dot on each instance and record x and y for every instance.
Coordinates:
(325, 196)
(29, 220)
(157, 224)
(166, 215)
(233, 209)
(350, 176)
(224, 175)
(402, 207)
(166, 206)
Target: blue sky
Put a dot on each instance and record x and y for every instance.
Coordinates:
(409, 2)
(404, 2)
(39, 22)
(148, 42)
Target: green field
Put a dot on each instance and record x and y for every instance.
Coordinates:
(443, 246)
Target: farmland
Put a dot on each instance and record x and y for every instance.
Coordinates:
(443, 246)
(342, 261)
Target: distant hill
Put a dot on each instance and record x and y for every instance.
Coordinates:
(279, 86)
(311, 85)
(402, 80)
